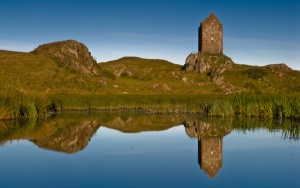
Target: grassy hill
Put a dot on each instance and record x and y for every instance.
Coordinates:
(68, 75)
(32, 74)
(270, 79)
(67, 67)
(133, 75)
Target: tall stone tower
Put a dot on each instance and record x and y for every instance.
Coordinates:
(210, 35)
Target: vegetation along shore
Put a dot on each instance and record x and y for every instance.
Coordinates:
(63, 76)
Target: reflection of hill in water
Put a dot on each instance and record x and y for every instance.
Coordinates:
(70, 140)
(142, 123)
(71, 133)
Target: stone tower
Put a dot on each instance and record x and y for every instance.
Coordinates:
(210, 35)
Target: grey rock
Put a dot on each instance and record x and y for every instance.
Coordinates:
(71, 53)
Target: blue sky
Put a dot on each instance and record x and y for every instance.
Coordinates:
(256, 32)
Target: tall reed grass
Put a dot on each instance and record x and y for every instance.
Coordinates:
(248, 105)
(267, 106)
(15, 104)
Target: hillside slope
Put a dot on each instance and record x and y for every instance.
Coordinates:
(235, 78)
(67, 67)
(38, 72)
(133, 75)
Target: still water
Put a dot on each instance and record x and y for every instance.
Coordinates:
(136, 150)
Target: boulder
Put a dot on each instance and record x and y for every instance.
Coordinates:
(71, 53)
(214, 65)
(205, 62)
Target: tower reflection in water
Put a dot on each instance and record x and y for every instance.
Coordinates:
(210, 144)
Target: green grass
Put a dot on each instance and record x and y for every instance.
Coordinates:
(148, 103)
(15, 105)
(262, 106)
(267, 106)
(261, 80)
(255, 73)
(151, 85)
(135, 75)
(18, 105)
(32, 74)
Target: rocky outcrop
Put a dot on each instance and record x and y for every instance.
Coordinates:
(205, 62)
(71, 53)
(279, 69)
(214, 65)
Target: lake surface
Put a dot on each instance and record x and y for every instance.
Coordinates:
(136, 150)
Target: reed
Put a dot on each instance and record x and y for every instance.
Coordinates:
(267, 106)
(19, 105)
(15, 104)
(248, 105)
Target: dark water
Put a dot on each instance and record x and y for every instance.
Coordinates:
(133, 150)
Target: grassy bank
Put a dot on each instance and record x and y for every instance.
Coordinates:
(262, 106)
(14, 105)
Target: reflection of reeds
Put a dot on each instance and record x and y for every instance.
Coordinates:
(132, 122)
(290, 129)
(4, 126)
(291, 132)
(16, 129)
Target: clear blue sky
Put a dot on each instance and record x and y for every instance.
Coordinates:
(256, 32)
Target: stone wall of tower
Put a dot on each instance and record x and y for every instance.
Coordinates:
(211, 36)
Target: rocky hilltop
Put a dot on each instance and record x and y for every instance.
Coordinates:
(214, 65)
(72, 53)
(236, 78)
(200, 63)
